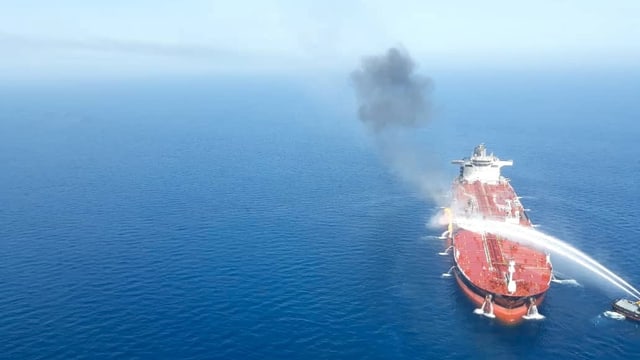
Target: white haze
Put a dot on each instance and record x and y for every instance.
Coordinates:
(415, 165)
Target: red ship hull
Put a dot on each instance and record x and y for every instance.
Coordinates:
(504, 279)
(509, 316)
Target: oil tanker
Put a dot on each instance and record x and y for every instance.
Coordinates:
(505, 280)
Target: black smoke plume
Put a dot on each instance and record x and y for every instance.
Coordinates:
(393, 101)
(390, 93)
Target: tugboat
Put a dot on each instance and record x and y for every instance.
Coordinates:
(630, 309)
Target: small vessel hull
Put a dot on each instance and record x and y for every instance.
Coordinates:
(614, 315)
(630, 309)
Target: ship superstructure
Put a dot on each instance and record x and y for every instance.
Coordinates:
(504, 278)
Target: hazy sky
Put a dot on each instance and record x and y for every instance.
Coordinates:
(71, 37)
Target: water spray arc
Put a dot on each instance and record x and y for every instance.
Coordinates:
(504, 280)
(539, 239)
(502, 263)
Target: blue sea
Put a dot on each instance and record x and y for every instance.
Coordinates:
(253, 218)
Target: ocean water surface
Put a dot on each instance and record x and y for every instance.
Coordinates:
(253, 219)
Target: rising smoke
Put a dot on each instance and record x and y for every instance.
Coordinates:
(393, 102)
(390, 93)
